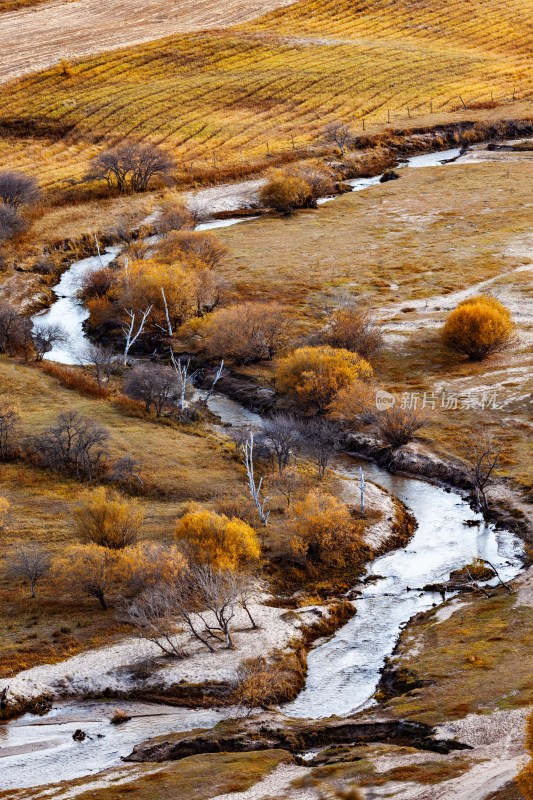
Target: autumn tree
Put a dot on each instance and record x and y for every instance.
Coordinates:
(312, 376)
(31, 562)
(245, 333)
(481, 455)
(320, 179)
(216, 540)
(91, 570)
(101, 359)
(169, 290)
(131, 166)
(352, 327)
(157, 386)
(153, 564)
(322, 438)
(478, 328)
(98, 283)
(325, 532)
(173, 217)
(106, 518)
(355, 405)
(46, 337)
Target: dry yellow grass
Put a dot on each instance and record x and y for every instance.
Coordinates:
(180, 466)
(219, 98)
(395, 246)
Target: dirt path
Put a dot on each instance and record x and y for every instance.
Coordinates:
(38, 37)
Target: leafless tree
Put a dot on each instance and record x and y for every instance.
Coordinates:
(322, 439)
(282, 435)
(15, 331)
(11, 223)
(353, 328)
(30, 562)
(153, 615)
(103, 361)
(287, 484)
(157, 386)
(397, 426)
(18, 189)
(126, 472)
(45, 337)
(246, 594)
(130, 334)
(218, 375)
(218, 592)
(9, 423)
(481, 457)
(254, 487)
(337, 133)
(75, 444)
(185, 378)
(131, 166)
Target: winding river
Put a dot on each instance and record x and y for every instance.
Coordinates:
(343, 671)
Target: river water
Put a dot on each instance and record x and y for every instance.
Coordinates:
(71, 314)
(343, 671)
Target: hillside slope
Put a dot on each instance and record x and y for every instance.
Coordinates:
(36, 38)
(229, 97)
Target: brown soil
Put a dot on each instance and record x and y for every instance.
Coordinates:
(37, 37)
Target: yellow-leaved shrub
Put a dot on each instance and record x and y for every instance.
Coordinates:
(478, 327)
(325, 532)
(106, 518)
(314, 375)
(216, 540)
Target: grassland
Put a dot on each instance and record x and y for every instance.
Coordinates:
(232, 98)
(407, 248)
(475, 661)
(179, 466)
(201, 777)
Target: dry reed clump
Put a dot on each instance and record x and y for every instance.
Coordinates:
(76, 379)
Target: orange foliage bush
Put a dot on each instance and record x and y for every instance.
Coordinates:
(245, 333)
(91, 570)
(325, 533)
(313, 375)
(75, 378)
(152, 564)
(216, 540)
(479, 327)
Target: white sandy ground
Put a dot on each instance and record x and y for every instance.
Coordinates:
(225, 197)
(110, 668)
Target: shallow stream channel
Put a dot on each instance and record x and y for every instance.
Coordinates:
(343, 671)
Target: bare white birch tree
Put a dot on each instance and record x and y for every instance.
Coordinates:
(185, 378)
(128, 329)
(255, 488)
